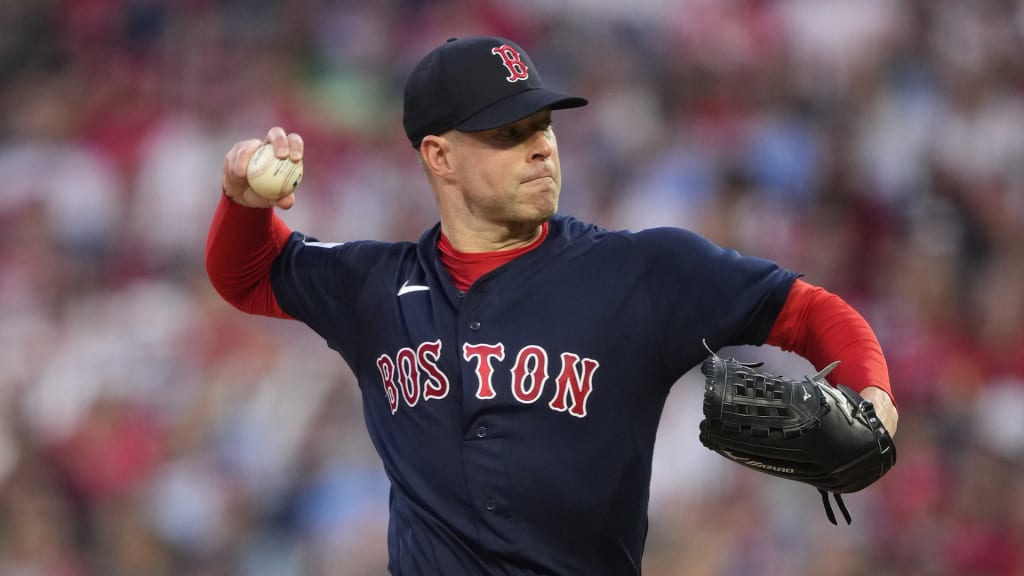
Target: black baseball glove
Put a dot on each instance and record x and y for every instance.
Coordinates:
(806, 430)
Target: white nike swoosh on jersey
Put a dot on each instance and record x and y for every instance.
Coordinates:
(322, 244)
(407, 288)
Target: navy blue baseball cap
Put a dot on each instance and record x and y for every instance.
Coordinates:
(473, 84)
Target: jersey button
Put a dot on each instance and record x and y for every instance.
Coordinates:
(474, 325)
(481, 432)
(490, 505)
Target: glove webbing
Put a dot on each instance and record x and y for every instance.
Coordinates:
(828, 507)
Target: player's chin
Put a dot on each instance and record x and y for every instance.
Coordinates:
(545, 206)
(537, 212)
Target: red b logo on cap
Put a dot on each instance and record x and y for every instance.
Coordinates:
(513, 62)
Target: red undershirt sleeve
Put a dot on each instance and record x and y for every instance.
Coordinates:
(240, 249)
(822, 327)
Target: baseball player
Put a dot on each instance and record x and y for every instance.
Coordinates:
(514, 362)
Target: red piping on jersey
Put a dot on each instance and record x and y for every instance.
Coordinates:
(466, 267)
(240, 249)
(822, 327)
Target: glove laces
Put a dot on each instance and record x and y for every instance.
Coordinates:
(828, 507)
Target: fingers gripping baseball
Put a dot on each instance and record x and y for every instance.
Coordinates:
(236, 181)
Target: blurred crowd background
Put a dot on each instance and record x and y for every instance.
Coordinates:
(147, 428)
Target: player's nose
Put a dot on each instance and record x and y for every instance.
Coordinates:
(542, 144)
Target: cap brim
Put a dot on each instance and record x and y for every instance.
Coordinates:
(517, 107)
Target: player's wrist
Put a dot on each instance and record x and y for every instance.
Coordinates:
(250, 199)
(885, 406)
(233, 193)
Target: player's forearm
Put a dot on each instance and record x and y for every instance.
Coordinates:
(240, 249)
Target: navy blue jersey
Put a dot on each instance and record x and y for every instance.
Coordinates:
(516, 421)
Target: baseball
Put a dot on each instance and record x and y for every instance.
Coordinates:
(271, 177)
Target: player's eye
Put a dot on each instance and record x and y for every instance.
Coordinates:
(514, 134)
